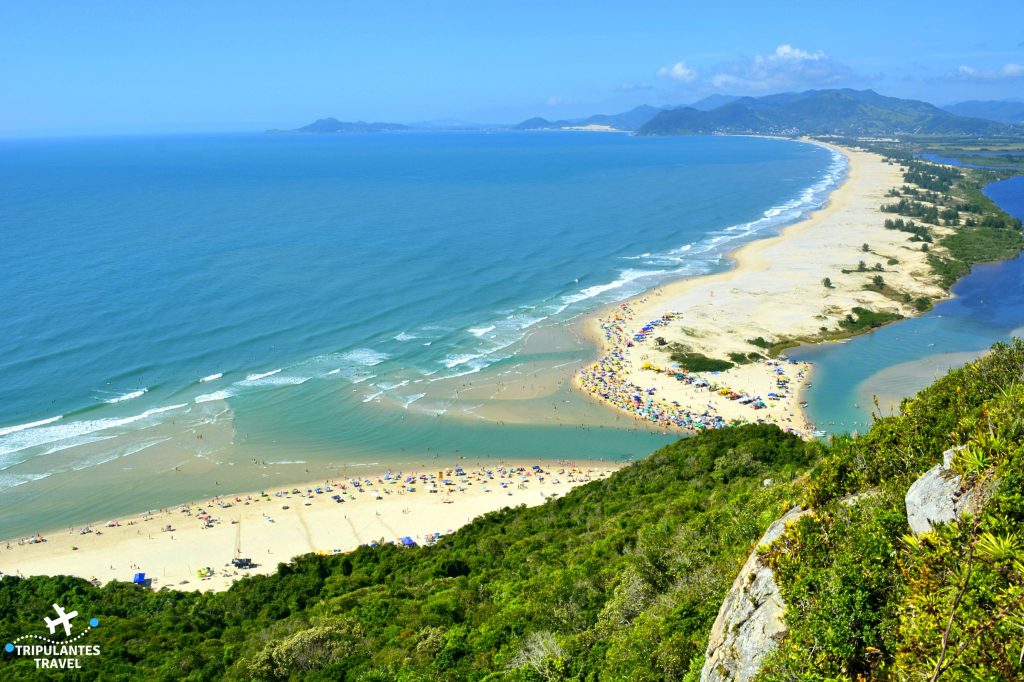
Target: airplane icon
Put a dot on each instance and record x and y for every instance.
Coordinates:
(61, 619)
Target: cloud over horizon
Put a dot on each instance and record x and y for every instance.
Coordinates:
(1009, 71)
(678, 72)
(787, 67)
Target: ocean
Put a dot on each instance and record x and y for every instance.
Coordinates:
(896, 361)
(199, 314)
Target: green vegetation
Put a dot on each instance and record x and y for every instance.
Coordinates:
(922, 304)
(862, 319)
(920, 232)
(827, 283)
(914, 209)
(745, 358)
(760, 342)
(698, 362)
(621, 579)
(867, 598)
(986, 234)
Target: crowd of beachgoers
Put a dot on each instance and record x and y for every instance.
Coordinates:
(420, 492)
(608, 379)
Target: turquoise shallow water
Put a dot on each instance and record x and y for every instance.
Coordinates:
(254, 307)
(896, 361)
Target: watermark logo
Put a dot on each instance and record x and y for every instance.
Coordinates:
(51, 653)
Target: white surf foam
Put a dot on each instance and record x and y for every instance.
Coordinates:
(211, 377)
(256, 377)
(366, 356)
(411, 399)
(30, 425)
(216, 395)
(68, 431)
(457, 359)
(127, 396)
(480, 331)
(404, 336)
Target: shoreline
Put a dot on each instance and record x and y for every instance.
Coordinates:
(683, 314)
(189, 546)
(758, 378)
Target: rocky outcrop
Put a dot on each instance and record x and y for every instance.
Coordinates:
(937, 497)
(750, 620)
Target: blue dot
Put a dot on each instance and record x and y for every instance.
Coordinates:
(94, 622)
(9, 647)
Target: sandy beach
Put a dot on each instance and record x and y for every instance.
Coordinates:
(774, 292)
(190, 547)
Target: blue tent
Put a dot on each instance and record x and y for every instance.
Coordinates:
(407, 541)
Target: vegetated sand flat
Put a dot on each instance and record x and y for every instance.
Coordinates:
(775, 291)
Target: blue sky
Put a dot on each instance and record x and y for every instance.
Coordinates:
(104, 67)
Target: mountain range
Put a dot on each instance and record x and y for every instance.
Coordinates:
(1005, 111)
(822, 112)
(814, 112)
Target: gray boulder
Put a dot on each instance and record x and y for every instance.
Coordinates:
(750, 620)
(937, 497)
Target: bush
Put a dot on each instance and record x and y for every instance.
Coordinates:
(867, 319)
(698, 362)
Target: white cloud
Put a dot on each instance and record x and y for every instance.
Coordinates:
(788, 52)
(554, 101)
(785, 68)
(679, 72)
(1008, 71)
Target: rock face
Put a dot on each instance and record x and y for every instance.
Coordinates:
(937, 497)
(750, 619)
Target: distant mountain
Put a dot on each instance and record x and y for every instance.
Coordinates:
(538, 123)
(713, 102)
(628, 120)
(333, 125)
(822, 112)
(1003, 111)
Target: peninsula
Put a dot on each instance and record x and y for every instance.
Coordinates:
(701, 352)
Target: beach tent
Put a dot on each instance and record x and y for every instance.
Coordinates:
(407, 541)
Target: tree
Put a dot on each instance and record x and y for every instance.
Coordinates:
(877, 281)
(827, 282)
(865, 248)
(862, 266)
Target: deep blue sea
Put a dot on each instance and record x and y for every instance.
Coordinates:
(176, 309)
(896, 361)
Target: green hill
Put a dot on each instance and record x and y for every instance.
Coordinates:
(622, 578)
(822, 112)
